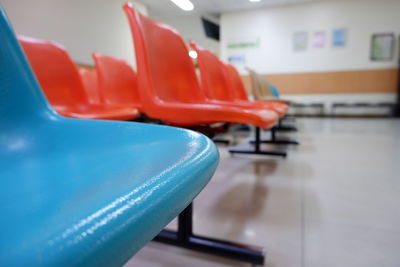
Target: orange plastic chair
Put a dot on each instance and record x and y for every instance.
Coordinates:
(169, 91)
(60, 80)
(117, 81)
(236, 84)
(89, 79)
(218, 89)
(239, 92)
(167, 81)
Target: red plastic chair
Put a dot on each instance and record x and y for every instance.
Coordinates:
(169, 91)
(60, 80)
(236, 84)
(167, 82)
(216, 84)
(239, 92)
(89, 79)
(117, 81)
(240, 95)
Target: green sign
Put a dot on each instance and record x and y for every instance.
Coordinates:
(244, 45)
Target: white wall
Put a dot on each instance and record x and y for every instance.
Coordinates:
(81, 26)
(191, 29)
(275, 28)
(85, 26)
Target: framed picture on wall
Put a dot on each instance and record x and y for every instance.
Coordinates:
(339, 37)
(319, 39)
(300, 41)
(382, 46)
(237, 59)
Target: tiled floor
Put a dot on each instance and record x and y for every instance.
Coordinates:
(334, 201)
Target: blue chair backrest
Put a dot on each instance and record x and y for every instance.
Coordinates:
(20, 95)
(275, 91)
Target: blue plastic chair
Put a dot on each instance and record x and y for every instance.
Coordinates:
(274, 91)
(85, 193)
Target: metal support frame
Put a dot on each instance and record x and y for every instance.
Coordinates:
(274, 140)
(257, 148)
(285, 128)
(243, 127)
(185, 238)
(221, 141)
(289, 118)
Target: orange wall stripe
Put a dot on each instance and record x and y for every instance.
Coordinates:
(340, 82)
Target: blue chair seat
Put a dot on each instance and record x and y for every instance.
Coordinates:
(85, 193)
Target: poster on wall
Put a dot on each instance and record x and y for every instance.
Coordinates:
(339, 37)
(319, 39)
(300, 40)
(382, 46)
(237, 59)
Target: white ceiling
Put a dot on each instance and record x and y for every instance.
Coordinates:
(167, 9)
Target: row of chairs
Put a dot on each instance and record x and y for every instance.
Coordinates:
(114, 181)
(159, 90)
(67, 92)
(112, 85)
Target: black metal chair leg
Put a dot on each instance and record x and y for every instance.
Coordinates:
(243, 127)
(274, 140)
(285, 128)
(257, 149)
(288, 118)
(185, 238)
(221, 141)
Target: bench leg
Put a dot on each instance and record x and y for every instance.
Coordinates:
(289, 118)
(185, 238)
(285, 128)
(243, 127)
(275, 141)
(257, 149)
(221, 141)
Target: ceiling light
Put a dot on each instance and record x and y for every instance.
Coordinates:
(184, 4)
(193, 54)
(255, 0)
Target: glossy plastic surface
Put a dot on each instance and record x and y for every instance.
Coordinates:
(235, 83)
(85, 192)
(117, 81)
(89, 79)
(167, 81)
(59, 78)
(217, 82)
(214, 81)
